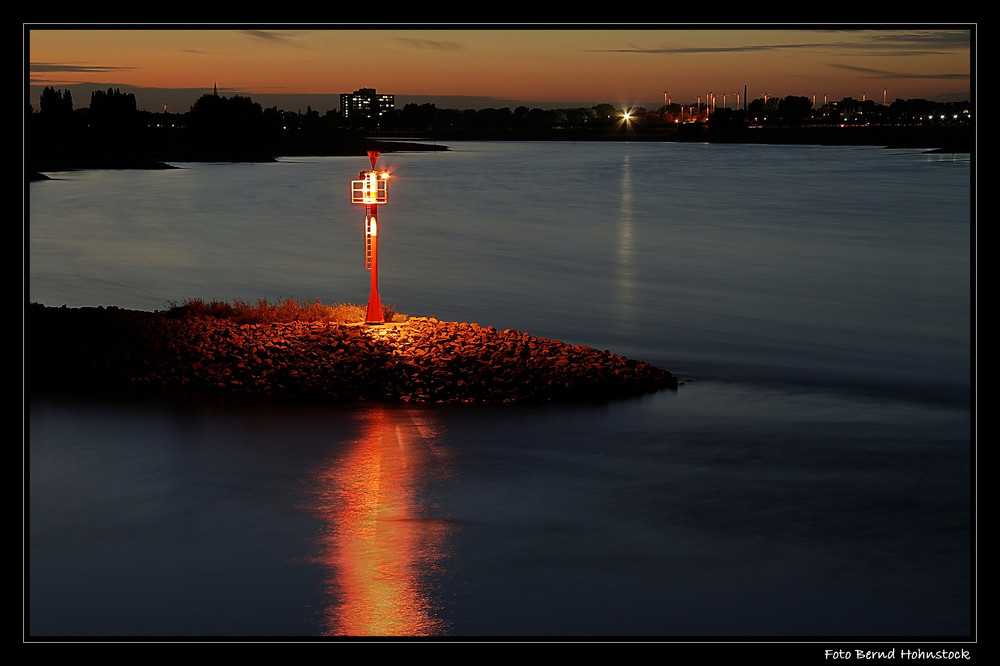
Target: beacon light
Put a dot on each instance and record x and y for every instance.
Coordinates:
(371, 190)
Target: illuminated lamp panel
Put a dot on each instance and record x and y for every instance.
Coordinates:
(371, 189)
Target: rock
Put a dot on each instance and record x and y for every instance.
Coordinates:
(122, 352)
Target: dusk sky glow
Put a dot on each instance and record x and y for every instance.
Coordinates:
(565, 66)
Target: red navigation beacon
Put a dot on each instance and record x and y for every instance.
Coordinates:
(370, 190)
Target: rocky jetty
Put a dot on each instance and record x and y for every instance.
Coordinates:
(127, 352)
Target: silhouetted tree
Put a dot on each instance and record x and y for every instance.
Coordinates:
(794, 110)
(727, 125)
(235, 125)
(606, 115)
(496, 119)
(580, 117)
(54, 104)
(419, 117)
(114, 117)
(111, 103)
(54, 133)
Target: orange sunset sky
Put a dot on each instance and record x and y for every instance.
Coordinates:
(563, 66)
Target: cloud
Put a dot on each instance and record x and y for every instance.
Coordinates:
(273, 37)
(921, 40)
(432, 44)
(883, 74)
(65, 68)
(881, 43)
(705, 49)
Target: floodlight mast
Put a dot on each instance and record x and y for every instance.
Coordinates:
(371, 190)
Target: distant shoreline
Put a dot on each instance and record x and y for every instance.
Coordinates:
(164, 159)
(943, 138)
(938, 139)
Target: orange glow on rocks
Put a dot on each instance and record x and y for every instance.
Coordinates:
(420, 360)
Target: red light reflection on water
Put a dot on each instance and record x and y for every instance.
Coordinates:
(380, 546)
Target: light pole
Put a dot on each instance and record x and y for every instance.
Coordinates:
(371, 190)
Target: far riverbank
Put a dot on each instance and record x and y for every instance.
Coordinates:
(938, 138)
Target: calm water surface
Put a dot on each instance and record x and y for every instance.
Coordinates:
(812, 477)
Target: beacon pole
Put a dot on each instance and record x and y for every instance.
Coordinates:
(375, 312)
(370, 190)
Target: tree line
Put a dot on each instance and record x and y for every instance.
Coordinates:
(113, 129)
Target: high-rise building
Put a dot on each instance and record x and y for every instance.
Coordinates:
(365, 104)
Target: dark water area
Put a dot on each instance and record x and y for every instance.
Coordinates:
(813, 476)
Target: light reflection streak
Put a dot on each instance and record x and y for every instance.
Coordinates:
(625, 302)
(380, 546)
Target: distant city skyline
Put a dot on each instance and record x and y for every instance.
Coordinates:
(309, 67)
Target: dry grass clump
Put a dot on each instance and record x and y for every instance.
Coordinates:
(263, 312)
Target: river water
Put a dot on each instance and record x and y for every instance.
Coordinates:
(813, 476)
